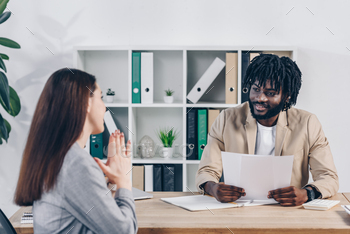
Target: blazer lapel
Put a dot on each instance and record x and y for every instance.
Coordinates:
(281, 132)
(250, 129)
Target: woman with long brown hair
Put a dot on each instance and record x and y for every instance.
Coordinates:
(65, 185)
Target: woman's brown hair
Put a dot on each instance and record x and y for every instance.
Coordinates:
(57, 124)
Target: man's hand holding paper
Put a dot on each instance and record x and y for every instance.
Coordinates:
(289, 196)
(258, 174)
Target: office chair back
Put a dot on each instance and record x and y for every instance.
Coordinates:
(5, 225)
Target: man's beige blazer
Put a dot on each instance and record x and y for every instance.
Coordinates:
(298, 133)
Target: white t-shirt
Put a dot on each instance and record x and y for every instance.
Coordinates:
(265, 140)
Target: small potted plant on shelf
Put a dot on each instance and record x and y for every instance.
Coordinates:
(167, 137)
(110, 95)
(169, 98)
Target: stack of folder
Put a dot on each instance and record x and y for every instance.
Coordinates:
(157, 177)
(231, 79)
(199, 123)
(96, 141)
(142, 77)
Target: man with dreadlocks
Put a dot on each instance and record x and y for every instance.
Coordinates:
(267, 124)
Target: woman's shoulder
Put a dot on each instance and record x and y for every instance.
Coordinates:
(79, 163)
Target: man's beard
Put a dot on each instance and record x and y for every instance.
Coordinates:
(270, 113)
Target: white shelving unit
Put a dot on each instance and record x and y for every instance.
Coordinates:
(177, 68)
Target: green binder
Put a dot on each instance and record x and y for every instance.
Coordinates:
(202, 131)
(136, 78)
(96, 145)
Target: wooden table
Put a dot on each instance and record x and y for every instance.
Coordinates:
(156, 216)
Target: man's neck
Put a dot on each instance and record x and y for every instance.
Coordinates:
(269, 122)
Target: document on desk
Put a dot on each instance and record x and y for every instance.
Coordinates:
(257, 174)
(201, 202)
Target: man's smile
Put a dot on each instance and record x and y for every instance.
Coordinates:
(260, 107)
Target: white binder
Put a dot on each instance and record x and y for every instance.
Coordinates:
(146, 77)
(149, 178)
(205, 81)
(110, 124)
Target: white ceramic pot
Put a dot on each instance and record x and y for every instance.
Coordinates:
(166, 152)
(109, 98)
(168, 99)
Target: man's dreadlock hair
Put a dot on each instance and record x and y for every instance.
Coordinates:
(282, 72)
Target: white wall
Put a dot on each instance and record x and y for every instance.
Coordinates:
(322, 57)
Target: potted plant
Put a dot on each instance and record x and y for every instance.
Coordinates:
(169, 98)
(8, 96)
(167, 137)
(110, 95)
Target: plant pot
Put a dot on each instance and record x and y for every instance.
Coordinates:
(109, 98)
(168, 99)
(166, 152)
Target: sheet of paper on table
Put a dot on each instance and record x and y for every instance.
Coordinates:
(257, 174)
(206, 202)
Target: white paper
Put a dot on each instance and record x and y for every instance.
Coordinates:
(201, 202)
(257, 174)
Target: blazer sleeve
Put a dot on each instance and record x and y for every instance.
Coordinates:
(210, 166)
(90, 201)
(321, 162)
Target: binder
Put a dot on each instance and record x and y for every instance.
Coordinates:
(110, 124)
(157, 178)
(246, 59)
(149, 178)
(178, 177)
(245, 64)
(136, 77)
(231, 78)
(138, 173)
(168, 178)
(205, 81)
(96, 145)
(202, 131)
(212, 115)
(191, 128)
(146, 77)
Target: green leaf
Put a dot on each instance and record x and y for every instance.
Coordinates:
(4, 16)
(4, 56)
(2, 65)
(15, 103)
(3, 129)
(3, 5)
(9, 43)
(4, 90)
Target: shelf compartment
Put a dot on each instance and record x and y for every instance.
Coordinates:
(110, 69)
(146, 121)
(168, 74)
(197, 63)
(191, 177)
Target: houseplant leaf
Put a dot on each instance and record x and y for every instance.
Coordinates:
(4, 56)
(5, 129)
(4, 16)
(3, 5)
(15, 103)
(4, 90)
(2, 65)
(9, 43)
